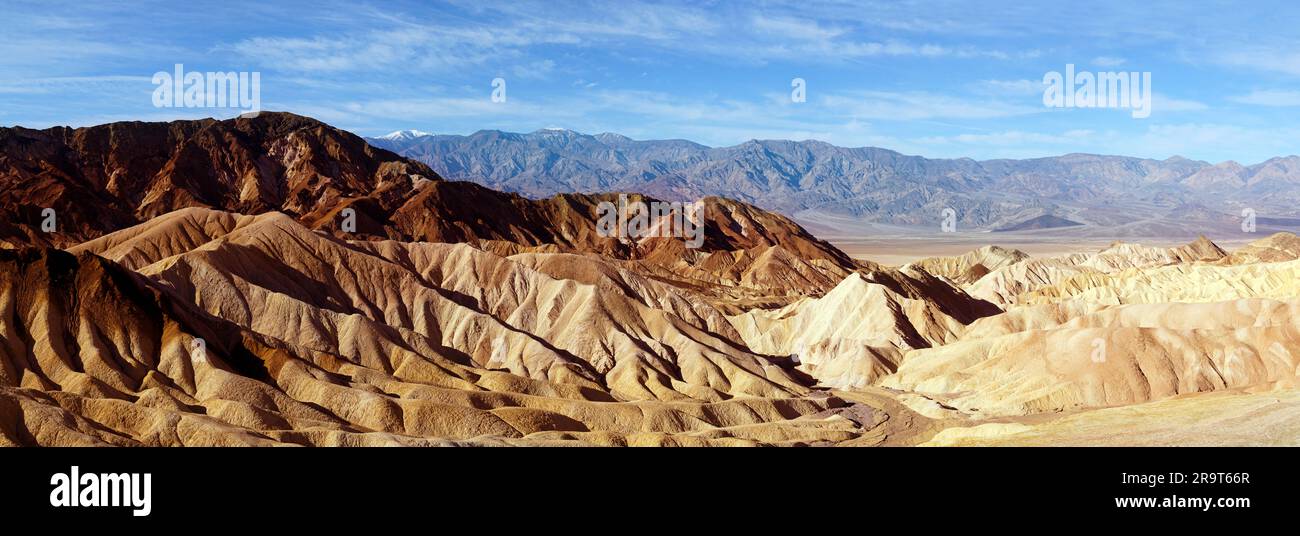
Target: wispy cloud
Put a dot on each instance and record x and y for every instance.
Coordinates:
(534, 70)
(1015, 139)
(793, 28)
(1281, 58)
(381, 40)
(1269, 97)
(74, 84)
(940, 77)
(914, 105)
(1164, 103)
(1018, 88)
(416, 49)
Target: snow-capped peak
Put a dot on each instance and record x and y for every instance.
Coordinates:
(555, 130)
(405, 135)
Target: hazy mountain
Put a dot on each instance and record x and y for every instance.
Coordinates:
(872, 184)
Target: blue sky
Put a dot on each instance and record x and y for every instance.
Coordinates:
(936, 78)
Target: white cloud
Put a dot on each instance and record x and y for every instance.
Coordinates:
(1281, 59)
(73, 84)
(1269, 97)
(415, 49)
(454, 107)
(915, 105)
(795, 28)
(1010, 87)
(1108, 61)
(1164, 103)
(535, 70)
(387, 40)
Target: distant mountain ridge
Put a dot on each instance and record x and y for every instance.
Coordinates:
(1046, 221)
(872, 184)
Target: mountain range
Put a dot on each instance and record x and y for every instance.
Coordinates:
(105, 178)
(807, 179)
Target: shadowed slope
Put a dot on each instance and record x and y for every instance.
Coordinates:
(498, 312)
(93, 355)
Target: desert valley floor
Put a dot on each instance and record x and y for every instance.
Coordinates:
(200, 290)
